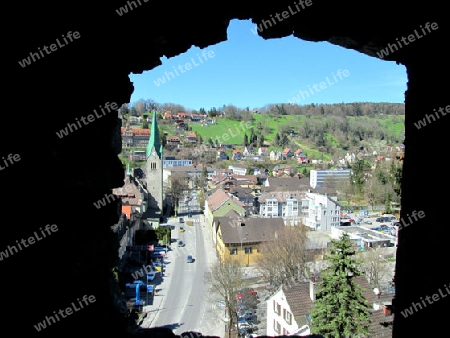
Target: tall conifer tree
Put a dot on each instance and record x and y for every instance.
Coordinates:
(340, 309)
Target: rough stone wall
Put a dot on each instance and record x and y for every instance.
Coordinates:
(57, 180)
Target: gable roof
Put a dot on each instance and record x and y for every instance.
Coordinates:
(220, 197)
(299, 300)
(255, 230)
(287, 183)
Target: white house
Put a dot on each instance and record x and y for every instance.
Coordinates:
(320, 212)
(276, 155)
(238, 170)
(288, 310)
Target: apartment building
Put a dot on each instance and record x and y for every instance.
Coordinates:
(319, 178)
(320, 211)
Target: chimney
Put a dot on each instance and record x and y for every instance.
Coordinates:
(312, 288)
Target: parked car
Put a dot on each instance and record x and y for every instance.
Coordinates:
(181, 220)
(182, 229)
(380, 219)
(181, 243)
(368, 221)
(247, 292)
(190, 259)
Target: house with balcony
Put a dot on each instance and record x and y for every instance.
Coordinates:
(284, 204)
(320, 212)
(173, 140)
(191, 138)
(239, 238)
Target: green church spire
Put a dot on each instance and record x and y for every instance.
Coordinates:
(154, 142)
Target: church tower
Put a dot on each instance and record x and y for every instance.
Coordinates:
(154, 170)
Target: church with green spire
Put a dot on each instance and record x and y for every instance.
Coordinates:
(154, 168)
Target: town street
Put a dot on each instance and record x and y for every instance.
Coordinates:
(185, 305)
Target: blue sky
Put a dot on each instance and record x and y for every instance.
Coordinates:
(248, 71)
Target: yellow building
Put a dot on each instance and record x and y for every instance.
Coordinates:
(240, 238)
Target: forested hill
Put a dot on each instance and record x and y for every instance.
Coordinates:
(336, 109)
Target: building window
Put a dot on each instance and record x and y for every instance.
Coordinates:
(287, 316)
(248, 250)
(233, 251)
(276, 308)
(276, 326)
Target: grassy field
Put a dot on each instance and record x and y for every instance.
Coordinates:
(225, 131)
(232, 132)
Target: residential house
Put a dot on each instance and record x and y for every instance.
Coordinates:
(289, 308)
(248, 151)
(301, 156)
(134, 137)
(181, 115)
(286, 184)
(287, 153)
(168, 116)
(237, 155)
(276, 155)
(190, 173)
(350, 157)
(320, 212)
(240, 238)
(263, 151)
(173, 140)
(238, 170)
(133, 195)
(285, 204)
(196, 117)
(134, 119)
(288, 170)
(221, 154)
(191, 138)
(220, 203)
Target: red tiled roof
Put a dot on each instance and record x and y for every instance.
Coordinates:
(126, 209)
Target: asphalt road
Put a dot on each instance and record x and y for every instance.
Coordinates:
(186, 305)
